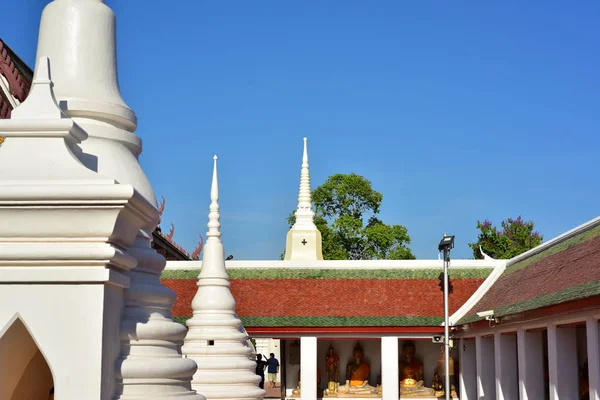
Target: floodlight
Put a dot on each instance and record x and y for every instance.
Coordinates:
(446, 243)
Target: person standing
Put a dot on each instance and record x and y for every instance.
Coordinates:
(272, 369)
(260, 370)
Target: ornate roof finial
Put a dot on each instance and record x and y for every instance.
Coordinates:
(171, 233)
(161, 208)
(304, 212)
(213, 217)
(485, 256)
(198, 249)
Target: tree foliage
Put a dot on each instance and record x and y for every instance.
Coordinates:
(346, 207)
(515, 237)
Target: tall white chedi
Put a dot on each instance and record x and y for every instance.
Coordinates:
(216, 339)
(303, 241)
(64, 231)
(79, 37)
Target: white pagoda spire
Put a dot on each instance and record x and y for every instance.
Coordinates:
(216, 339)
(303, 241)
(304, 213)
(79, 37)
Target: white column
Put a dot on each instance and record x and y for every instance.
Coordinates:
(562, 363)
(486, 374)
(505, 350)
(468, 370)
(593, 354)
(308, 368)
(389, 368)
(531, 364)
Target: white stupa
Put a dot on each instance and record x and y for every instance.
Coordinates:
(79, 38)
(303, 241)
(216, 339)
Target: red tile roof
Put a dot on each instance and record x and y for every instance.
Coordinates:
(566, 271)
(335, 301)
(18, 75)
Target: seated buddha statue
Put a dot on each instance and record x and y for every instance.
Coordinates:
(411, 373)
(357, 375)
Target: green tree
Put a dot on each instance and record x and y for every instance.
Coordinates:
(515, 237)
(346, 207)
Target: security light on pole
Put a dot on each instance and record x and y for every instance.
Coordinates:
(446, 244)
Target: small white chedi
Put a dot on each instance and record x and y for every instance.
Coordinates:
(216, 339)
(303, 241)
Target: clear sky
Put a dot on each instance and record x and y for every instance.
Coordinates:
(456, 111)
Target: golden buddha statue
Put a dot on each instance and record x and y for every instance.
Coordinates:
(332, 366)
(437, 385)
(411, 374)
(357, 378)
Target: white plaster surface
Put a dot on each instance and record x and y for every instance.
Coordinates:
(468, 369)
(63, 231)
(486, 374)
(562, 363)
(593, 356)
(65, 321)
(507, 380)
(389, 368)
(531, 364)
(308, 368)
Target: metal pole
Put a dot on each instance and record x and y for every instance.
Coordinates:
(446, 327)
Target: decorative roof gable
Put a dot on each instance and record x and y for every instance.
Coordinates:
(563, 270)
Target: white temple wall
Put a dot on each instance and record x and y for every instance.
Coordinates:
(531, 363)
(468, 369)
(562, 362)
(389, 368)
(593, 355)
(507, 371)
(550, 355)
(111, 345)
(65, 322)
(486, 370)
(308, 371)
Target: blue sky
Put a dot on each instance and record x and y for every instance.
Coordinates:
(456, 111)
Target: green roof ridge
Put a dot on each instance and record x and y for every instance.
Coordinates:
(557, 248)
(283, 273)
(576, 292)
